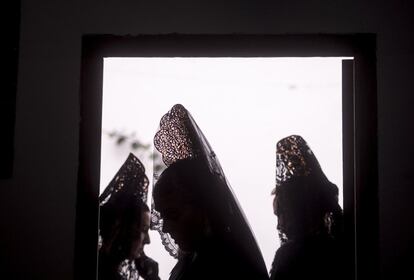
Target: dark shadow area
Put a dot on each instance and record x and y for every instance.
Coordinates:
(8, 95)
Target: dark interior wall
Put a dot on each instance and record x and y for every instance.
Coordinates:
(37, 205)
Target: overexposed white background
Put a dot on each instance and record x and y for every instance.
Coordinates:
(243, 106)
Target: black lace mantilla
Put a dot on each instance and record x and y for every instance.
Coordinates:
(172, 139)
(293, 158)
(129, 180)
(172, 142)
(180, 138)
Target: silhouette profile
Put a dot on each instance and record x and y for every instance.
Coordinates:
(309, 216)
(195, 210)
(124, 224)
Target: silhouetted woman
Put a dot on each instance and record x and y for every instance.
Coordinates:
(309, 216)
(124, 224)
(196, 212)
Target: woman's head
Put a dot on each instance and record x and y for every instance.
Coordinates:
(305, 201)
(305, 206)
(181, 198)
(124, 230)
(123, 214)
(139, 233)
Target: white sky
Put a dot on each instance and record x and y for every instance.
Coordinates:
(243, 106)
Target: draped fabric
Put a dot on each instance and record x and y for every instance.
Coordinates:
(129, 181)
(302, 188)
(294, 158)
(310, 220)
(180, 139)
(127, 189)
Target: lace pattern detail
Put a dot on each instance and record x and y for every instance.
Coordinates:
(167, 241)
(130, 178)
(293, 158)
(128, 271)
(172, 140)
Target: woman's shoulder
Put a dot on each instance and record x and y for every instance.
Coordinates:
(220, 262)
(308, 258)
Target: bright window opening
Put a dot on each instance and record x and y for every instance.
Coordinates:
(243, 106)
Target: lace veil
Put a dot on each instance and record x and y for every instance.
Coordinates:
(130, 180)
(130, 184)
(179, 137)
(294, 158)
(296, 161)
